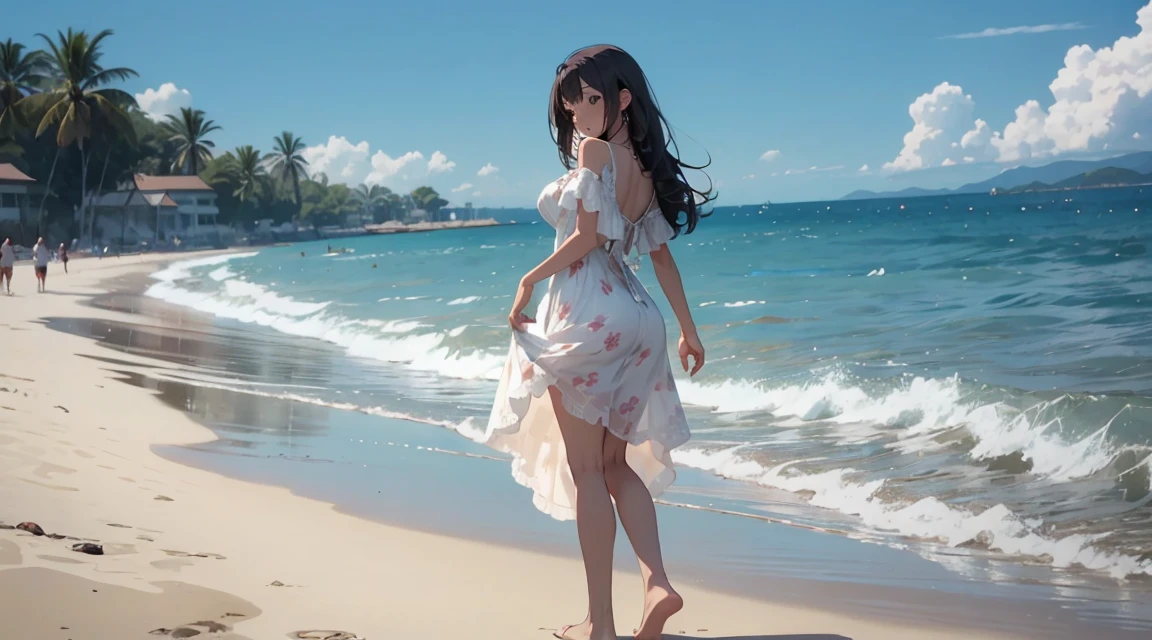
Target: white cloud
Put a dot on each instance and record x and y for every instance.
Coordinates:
(942, 129)
(339, 159)
(1101, 99)
(864, 169)
(775, 173)
(993, 32)
(948, 162)
(385, 166)
(353, 164)
(770, 155)
(750, 176)
(157, 104)
(464, 187)
(439, 163)
(476, 194)
(487, 170)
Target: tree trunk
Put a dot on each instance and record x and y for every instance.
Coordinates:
(99, 192)
(83, 190)
(41, 219)
(299, 200)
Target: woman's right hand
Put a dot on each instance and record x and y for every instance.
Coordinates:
(690, 346)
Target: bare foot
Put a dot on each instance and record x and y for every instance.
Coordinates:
(660, 603)
(582, 631)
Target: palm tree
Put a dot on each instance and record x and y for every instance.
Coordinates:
(288, 162)
(73, 103)
(371, 198)
(188, 131)
(20, 76)
(248, 169)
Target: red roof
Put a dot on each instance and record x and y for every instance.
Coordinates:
(10, 172)
(160, 199)
(171, 183)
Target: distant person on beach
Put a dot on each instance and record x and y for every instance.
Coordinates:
(7, 262)
(62, 256)
(41, 256)
(591, 378)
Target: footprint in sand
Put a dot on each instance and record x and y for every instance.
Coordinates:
(320, 634)
(83, 454)
(187, 630)
(185, 554)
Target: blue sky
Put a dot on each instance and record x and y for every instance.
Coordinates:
(827, 85)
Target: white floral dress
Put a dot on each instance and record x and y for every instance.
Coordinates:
(600, 339)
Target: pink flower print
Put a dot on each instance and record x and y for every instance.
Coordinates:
(630, 406)
(644, 356)
(575, 266)
(606, 287)
(612, 341)
(659, 386)
(593, 378)
(565, 309)
(598, 322)
(628, 428)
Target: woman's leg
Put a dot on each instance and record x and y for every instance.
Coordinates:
(638, 515)
(595, 520)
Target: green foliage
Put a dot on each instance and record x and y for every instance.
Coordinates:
(189, 130)
(427, 199)
(64, 123)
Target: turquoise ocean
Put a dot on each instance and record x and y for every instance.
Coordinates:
(969, 377)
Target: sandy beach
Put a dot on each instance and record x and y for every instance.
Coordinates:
(187, 552)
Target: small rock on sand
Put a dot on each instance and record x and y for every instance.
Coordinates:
(31, 527)
(89, 548)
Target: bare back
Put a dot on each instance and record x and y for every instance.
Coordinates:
(635, 193)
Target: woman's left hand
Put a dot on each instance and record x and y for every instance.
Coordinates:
(517, 318)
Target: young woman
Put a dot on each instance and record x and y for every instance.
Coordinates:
(41, 256)
(587, 404)
(62, 256)
(7, 261)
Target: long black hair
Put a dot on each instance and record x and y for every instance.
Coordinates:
(610, 70)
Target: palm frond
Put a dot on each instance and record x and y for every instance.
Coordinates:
(107, 76)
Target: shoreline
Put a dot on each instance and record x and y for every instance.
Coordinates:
(267, 534)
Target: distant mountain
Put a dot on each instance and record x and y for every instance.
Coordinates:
(910, 192)
(1047, 175)
(1106, 177)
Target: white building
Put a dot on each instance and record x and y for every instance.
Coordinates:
(196, 209)
(13, 193)
(129, 218)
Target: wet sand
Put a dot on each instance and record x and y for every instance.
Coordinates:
(86, 455)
